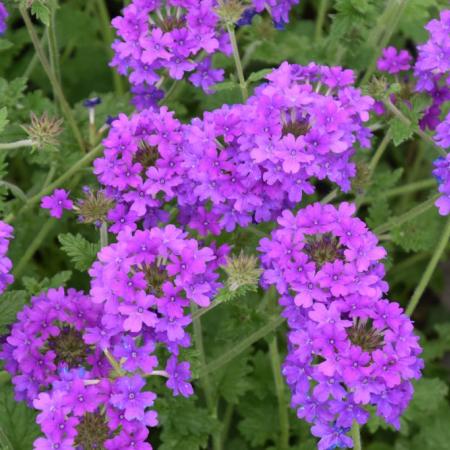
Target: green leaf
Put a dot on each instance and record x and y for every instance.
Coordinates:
(400, 131)
(259, 423)
(34, 287)
(41, 12)
(10, 304)
(225, 85)
(259, 75)
(429, 396)
(18, 428)
(420, 233)
(234, 380)
(81, 252)
(436, 348)
(5, 44)
(3, 118)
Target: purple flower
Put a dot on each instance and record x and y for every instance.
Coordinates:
(3, 16)
(179, 374)
(393, 61)
(127, 396)
(57, 202)
(442, 174)
(6, 234)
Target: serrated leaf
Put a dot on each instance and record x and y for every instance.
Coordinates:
(259, 423)
(5, 44)
(436, 348)
(234, 380)
(81, 252)
(17, 422)
(10, 304)
(34, 286)
(400, 131)
(41, 12)
(420, 233)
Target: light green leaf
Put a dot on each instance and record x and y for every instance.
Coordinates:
(81, 252)
(10, 304)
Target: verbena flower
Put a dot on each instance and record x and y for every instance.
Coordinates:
(57, 203)
(3, 16)
(145, 283)
(347, 347)
(48, 338)
(6, 234)
(393, 61)
(432, 69)
(158, 39)
(249, 162)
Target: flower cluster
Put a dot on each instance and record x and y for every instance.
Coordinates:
(145, 283)
(141, 167)
(6, 234)
(251, 161)
(57, 203)
(432, 69)
(173, 38)
(3, 16)
(347, 347)
(57, 367)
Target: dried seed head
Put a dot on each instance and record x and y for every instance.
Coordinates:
(94, 207)
(44, 130)
(362, 179)
(230, 11)
(242, 270)
(92, 432)
(69, 347)
(365, 336)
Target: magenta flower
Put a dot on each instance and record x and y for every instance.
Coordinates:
(57, 202)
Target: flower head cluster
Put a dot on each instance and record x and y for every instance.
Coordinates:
(177, 37)
(432, 69)
(6, 234)
(3, 16)
(57, 203)
(249, 162)
(347, 347)
(393, 61)
(141, 167)
(146, 282)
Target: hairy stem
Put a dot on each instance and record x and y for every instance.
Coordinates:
(396, 221)
(241, 346)
(33, 247)
(237, 62)
(52, 78)
(18, 144)
(205, 381)
(379, 152)
(54, 49)
(321, 15)
(283, 415)
(406, 189)
(426, 277)
(103, 234)
(356, 436)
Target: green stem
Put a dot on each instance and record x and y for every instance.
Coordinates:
(406, 189)
(33, 247)
(34, 59)
(237, 62)
(387, 25)
(321, 14)
(329, 197)
(52, 77)
(103, 234)
(426, 277)
(426, 137)
(54, 49)
(87, 159)
(241, 346)
(108, 37)
(379, 152)
(18, 144)
(397, 221)
(283, 415)
(226, 423)
(356, 436)
(205, 381)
